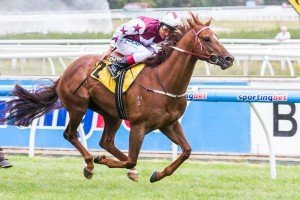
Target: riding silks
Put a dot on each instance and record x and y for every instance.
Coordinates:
(101, 74)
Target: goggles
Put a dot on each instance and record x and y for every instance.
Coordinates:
(167, 27)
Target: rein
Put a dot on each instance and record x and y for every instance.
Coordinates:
(212, 58)
(164, 92)
(201, 57)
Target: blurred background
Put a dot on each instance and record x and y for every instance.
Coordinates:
(247, 28)
(40, 38)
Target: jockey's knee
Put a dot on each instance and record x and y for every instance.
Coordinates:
(130, 164)
(141, 56)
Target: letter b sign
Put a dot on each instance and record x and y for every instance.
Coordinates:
(277, 116)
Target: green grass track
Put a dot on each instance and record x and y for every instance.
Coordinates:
(62, 178)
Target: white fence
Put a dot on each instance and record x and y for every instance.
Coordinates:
(64, 22)
(106, 41)
(265, 52)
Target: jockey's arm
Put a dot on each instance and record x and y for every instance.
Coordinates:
(135, 26)
(106, 53)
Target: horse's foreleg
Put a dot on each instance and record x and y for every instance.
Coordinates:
(107, 143)
(135, 142)
(175, 133)
(70, 134)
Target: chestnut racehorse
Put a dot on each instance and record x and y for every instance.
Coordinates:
(155, 100)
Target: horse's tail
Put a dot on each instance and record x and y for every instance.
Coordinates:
(30, 104)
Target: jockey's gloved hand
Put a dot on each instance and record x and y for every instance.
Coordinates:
(113, 60)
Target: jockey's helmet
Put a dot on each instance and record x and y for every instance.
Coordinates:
(171, 20)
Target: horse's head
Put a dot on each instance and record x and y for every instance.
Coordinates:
(206, 44)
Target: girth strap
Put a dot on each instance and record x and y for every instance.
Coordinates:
(118, 94)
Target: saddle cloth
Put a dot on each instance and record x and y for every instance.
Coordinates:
(101, 74)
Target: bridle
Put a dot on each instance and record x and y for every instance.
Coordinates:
(211, 58)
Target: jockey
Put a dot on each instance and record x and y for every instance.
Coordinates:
(134, 39)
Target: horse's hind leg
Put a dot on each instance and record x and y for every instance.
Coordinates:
(70, 134)
(175, 134)
(108, 137)
(107, 143)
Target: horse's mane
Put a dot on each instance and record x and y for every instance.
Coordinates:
(172, 40)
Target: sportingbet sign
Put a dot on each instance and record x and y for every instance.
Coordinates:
(209, 127)
(296, 5)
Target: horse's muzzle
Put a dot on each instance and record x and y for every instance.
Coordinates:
(213, 59)
(225, 61)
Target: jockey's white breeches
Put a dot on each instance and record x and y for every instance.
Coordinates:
(137, 51)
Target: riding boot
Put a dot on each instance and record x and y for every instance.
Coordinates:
(120, 64)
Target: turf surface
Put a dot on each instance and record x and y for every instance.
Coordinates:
(61, 178)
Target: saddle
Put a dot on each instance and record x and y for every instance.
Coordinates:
(119, 85)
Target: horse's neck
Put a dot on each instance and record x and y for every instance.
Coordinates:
(177, 70)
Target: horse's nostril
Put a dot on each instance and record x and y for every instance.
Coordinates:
(229, 58)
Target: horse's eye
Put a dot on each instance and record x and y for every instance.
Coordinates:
(206, 39)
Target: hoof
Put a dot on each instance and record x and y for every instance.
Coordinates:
(98, 159)
(133, 175)
(87, 174)
(154, 177)
(5, 164)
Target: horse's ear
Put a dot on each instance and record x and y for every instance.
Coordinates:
(198, 21)
(208, 22)
(191, 23)
(195, 19)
